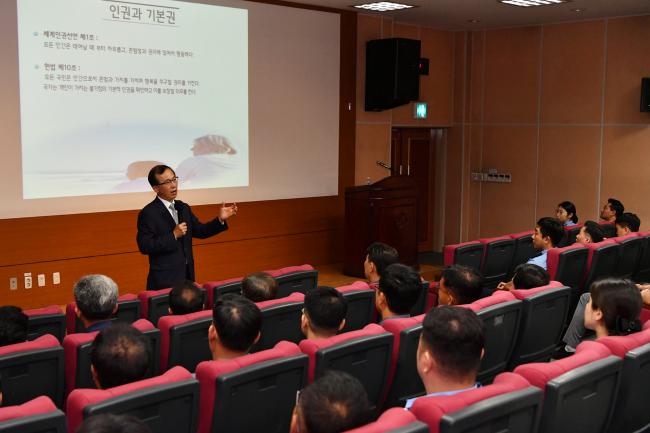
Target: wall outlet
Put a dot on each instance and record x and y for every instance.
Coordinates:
(56, 278)
(13, 283)
(28, 280)
(41, 280)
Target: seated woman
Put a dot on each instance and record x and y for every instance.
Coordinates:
(614, 307)
(566, 213)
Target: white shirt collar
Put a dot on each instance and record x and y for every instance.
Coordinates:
(165, 202)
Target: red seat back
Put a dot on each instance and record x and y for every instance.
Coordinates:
(631, 247)
(524, 249)
(35, 416)
(294, 279)
(184, 340)
(602, 259)
(466, 253)
(497, 258)
(280, 321)
(361, 305)
(215, 289)
(154, 304)
(46, 320)
(393, 420)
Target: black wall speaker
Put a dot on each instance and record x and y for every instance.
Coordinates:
(645, 95)
(392, 73)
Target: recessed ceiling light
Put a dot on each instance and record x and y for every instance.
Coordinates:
(474, 21)
(578, 10)
(528, 3)
(383, 6)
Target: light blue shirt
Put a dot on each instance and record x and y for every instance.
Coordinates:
(410, 401)
(569, 223)
(539, 260)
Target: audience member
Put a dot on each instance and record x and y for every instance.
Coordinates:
(548, 234)
(13, 325)
(324, 312)
(612, 210)
(111, 423)
(526, 276)
(627, 223)
(590, 232)
(96, 301)
(333, 403)
(566, 214)
(186, 298)
(378, 257)
(450, 350)
(614, 307)
(236, 323)
(259, 287)
(120, 354)
(399, 290)
(459, 285)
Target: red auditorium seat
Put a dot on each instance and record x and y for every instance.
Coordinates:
(154, 304)
(642, 273)
(509, 404)
(523, 248)
(128, 311)
(167, 403)
(47, 320)
(35, 416)
(497, 257)
(265, 381)
(466, 253)
(77, 355)
(579, 391)
(602, 259)
(361, 305)
(432, 295)
(32, 369)
(280, 321)
(631, 409)
(567, 264)
(631, 246)
(403, 379)
(501, 315)
(184, 340)
(395, 420)
(420, 305)
(364, 354)
(294, 279)
(544, 311)
(215, 289)
(571, 232)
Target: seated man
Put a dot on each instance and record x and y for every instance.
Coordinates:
(459, 285)
(526, 276)
(13, 325)
(548, 234)
(185, 298)
(259, 287)
(627, 223)
(324, 313)
(450, 351)
(236, 323)
(399, 290)
(96, 299)
(378, 257)
(591, 232)
(120, 354)
(612, 210)
(333, 403)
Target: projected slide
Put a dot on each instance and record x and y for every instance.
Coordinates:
(110, 88)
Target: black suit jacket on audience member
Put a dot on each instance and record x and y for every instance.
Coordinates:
(170, 260)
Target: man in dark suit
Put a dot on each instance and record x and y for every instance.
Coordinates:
(166, 227)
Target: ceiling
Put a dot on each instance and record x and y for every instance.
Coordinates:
(456, 14)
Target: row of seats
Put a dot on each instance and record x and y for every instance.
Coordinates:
(604, 387)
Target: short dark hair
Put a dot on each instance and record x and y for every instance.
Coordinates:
(595, 231)
(620, 302)
(529, 276)
(455, 338)
(120, 354)
(552, 228)
(382, 255)
(629, 221)
(259, 287)
(402, 287)
(570, 208)
(616, 206)
(13, 325)
(333, 403)
(156, 170)
(185, 298)
(465, 282)
(237, 321)
(325, 308)
(111, 423)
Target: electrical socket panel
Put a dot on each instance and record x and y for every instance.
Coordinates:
(28, 280)
(13, 283)
(56, 278)
(41, 280)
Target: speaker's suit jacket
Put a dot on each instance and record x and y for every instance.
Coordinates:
(170, 259)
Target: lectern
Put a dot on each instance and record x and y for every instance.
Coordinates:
(385, 211)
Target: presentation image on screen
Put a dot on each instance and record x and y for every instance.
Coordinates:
(110, 88)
